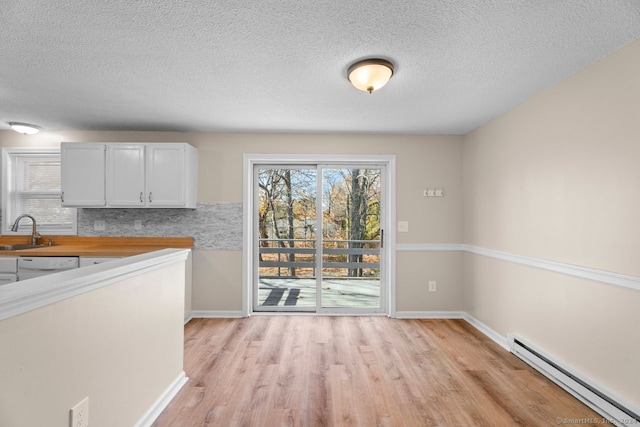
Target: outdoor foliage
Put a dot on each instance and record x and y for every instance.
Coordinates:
(287, 213)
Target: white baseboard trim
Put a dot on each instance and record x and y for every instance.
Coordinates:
(188, 317)
(158, 406)
(212, 314)
(430, 315)
(496, 337)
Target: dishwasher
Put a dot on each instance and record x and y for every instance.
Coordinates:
(36, 266)
(8, 270)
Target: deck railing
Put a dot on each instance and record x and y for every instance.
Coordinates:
(296, 258)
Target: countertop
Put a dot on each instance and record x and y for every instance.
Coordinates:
(94, 246)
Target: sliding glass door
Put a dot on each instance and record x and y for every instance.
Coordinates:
(286, 216)
(351, 238)
(319, 238)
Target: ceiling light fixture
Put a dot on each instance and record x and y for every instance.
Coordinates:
(25, 128)
(370, 74)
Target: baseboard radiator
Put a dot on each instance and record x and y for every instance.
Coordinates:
(611, 410)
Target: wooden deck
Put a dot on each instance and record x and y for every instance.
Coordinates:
(301, 292)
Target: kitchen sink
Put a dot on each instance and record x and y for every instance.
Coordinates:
(19, 247)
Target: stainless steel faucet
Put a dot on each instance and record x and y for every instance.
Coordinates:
(34, 233)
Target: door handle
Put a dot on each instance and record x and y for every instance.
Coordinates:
(141, 199)
(62, 196)
(150, 201)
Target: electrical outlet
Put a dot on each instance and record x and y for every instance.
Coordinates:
(99, 225)
(433, 286)
(80, 414)
(137, 224)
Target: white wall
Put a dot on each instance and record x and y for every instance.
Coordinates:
(557, 179)
(121, 345)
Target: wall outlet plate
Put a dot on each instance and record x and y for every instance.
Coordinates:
(79, 416)
(99, 225)
(433, 286)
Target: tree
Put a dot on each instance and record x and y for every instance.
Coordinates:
(363, 196)
(351, 209)
(352, 205)
(284, 205)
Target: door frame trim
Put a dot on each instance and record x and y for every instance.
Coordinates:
(389, 250)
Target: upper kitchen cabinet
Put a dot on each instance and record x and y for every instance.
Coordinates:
(167, 175)
(126, 175)
(83, 174)
(147, 175)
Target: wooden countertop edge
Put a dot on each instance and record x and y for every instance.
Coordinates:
(96, 246)
(81, 250)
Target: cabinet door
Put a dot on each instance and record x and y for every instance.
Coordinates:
(82, 174)
(165, 175)
(125, 175)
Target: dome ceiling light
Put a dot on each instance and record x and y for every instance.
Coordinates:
(24, 128)
(370, 74)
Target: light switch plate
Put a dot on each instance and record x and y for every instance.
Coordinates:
(403, 226)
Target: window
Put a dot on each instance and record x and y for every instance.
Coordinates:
(31, 185)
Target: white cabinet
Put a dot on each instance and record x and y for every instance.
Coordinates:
(135, 175)
(125, 175)
(165, 175)
(83, 174)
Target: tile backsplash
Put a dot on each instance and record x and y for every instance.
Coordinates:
(215, 226)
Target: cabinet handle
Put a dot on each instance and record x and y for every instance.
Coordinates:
(62, 197)
(141, 199)
(150, 197)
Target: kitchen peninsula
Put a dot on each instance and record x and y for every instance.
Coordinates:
(111, 333)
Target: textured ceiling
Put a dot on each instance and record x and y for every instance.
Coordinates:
(280, 65)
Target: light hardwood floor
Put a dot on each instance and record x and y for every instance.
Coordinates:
(359, 371)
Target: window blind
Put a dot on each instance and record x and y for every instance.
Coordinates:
(33, 187)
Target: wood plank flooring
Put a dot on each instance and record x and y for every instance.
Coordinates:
(359, 371)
